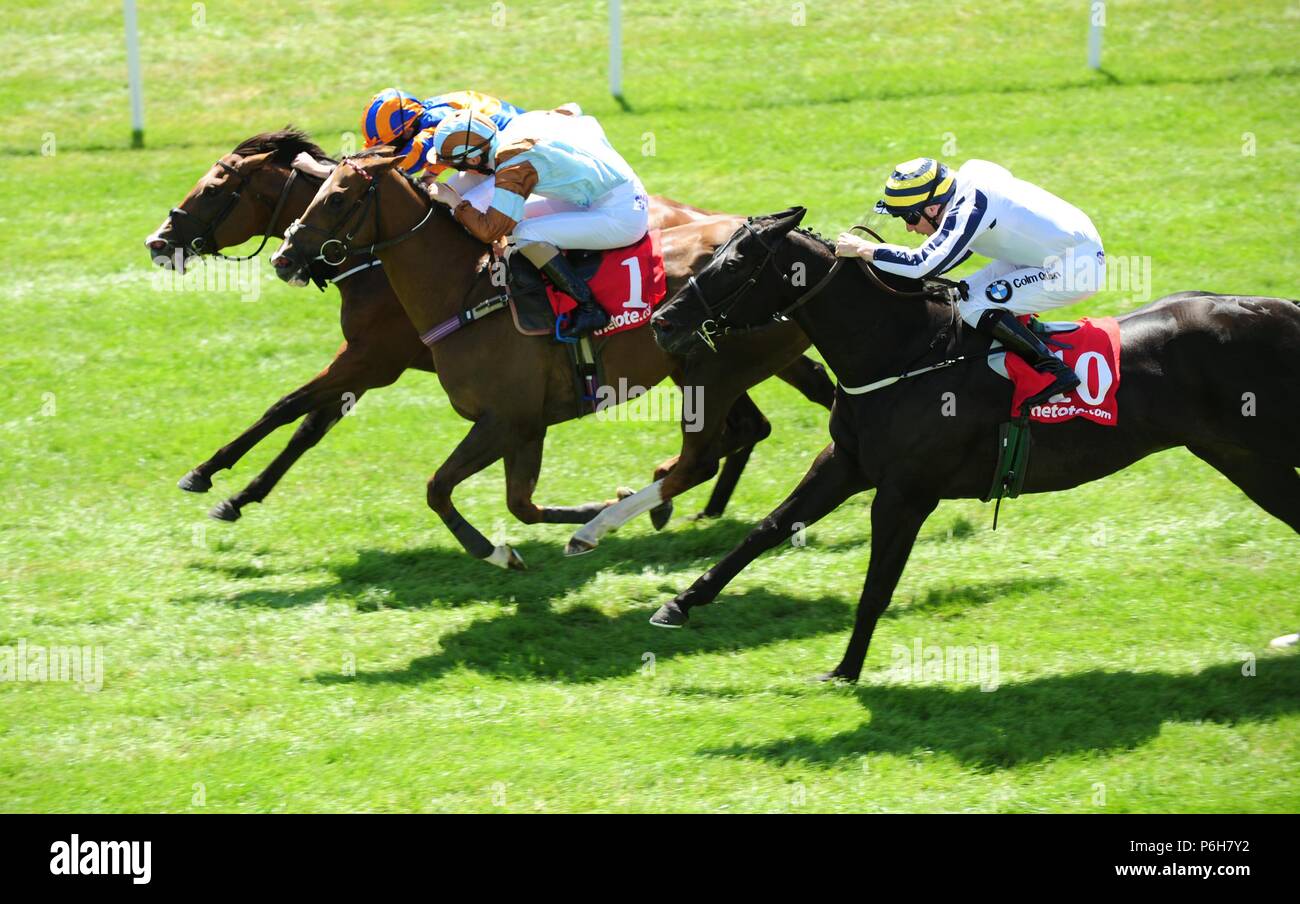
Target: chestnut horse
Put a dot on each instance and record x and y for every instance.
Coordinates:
(1218, 374)
(254, 191)
(512, 386)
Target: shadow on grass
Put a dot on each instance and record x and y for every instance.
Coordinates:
(436, 576)
(1092, 711)
(959, 600)
(582, 644)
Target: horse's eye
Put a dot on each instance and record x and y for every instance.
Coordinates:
(211, 190)
(335, 200)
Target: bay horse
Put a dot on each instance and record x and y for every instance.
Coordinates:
(256, 191)
(511, 386)
(1218, 374)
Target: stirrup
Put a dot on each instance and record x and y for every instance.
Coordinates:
(563, 319)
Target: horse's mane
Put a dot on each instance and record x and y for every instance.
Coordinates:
(286, 144)
(816, 237)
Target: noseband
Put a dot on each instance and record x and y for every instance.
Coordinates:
(334, 250)
(207, 238)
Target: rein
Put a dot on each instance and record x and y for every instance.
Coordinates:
(207, 238)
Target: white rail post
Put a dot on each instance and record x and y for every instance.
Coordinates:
(615, 48)
(1097, 21)
(133, 74)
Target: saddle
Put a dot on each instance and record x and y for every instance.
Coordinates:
(531, 310)
(526, 286)
(997, 359)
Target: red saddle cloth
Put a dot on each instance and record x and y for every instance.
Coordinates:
(1094, 355)
(628, 283)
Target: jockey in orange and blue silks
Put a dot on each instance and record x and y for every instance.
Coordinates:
(407, 123)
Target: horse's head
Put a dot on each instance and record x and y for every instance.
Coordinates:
(342, 218)
(726, 287)
(232, 202)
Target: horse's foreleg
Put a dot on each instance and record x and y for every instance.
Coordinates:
(314, 426)
(745, 428)
(896, 518)
(486, 442)
(352, 372)
(285, 411)
(810, 378)
(833, 477)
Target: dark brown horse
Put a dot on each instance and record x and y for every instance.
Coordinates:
(253, 191)
(513, 387)
(1218, 374)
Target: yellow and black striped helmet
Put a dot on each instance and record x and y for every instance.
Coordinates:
(914, 185)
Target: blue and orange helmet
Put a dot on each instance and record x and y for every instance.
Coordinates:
(914, 186)
(389, 113)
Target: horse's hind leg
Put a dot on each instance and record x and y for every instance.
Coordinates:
(742, 428)
(523, 465)
(1273, 486)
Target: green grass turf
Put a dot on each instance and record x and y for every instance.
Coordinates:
(1123, 612)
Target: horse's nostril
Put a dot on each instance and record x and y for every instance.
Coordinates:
(156, 244)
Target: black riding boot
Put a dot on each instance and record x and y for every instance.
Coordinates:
(588, 315)
(1003, 326)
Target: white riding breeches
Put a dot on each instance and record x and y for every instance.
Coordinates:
(617, 218)
(1071, 277)
(476, 188)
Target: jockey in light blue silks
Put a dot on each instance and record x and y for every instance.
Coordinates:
(1046, 252)
(584, 194)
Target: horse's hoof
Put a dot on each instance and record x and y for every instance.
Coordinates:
(703, 516)
(835, 676)
(225, 511)
(660, 514)
(577, 546)
(194, 482)
(669, 616)
(624, 492)
(506, 557)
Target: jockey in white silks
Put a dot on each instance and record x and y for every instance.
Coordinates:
(585, 195)
(1046, 252)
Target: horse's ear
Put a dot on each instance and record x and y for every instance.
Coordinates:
(254, 161)
(782, 222)
(378, 166)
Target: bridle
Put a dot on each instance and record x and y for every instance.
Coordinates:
(207, 238)
(367, 203)
(718, 323)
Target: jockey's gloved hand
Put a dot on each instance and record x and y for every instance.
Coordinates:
(310, 165)
(443, 194)
(849, 245)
